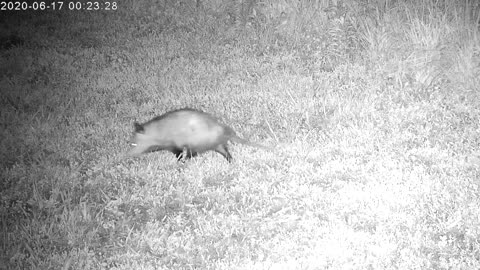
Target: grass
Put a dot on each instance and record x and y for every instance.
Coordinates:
(372, 110)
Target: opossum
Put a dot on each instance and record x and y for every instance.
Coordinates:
(185, 129)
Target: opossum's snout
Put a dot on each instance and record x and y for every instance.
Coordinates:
(135, 151)
(133, 141)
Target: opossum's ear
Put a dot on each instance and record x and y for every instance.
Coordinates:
(138, 128)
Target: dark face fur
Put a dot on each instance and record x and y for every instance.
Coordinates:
(140, 141)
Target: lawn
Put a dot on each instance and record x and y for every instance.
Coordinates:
(371, 108)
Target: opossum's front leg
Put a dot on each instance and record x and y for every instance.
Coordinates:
(184, 153)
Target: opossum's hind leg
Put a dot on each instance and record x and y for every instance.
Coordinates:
(223, 150)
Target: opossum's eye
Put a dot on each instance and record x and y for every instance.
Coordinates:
(133, 144)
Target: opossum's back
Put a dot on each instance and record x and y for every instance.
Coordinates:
(188, 128)
(203, 132)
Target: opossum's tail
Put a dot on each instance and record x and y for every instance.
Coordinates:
(238, 139)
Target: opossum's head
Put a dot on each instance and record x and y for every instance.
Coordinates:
(141, 141)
